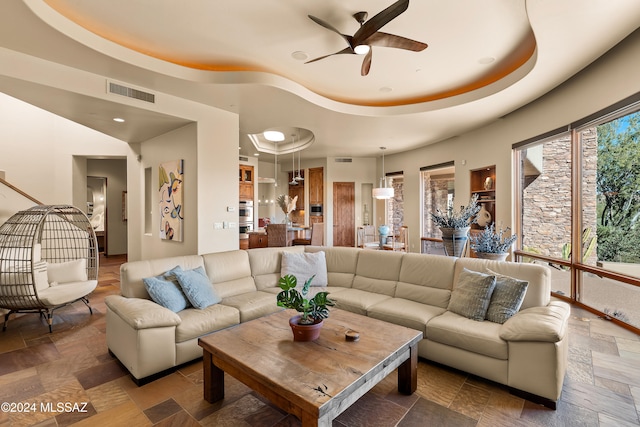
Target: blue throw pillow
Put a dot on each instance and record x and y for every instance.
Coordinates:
(166, 291)
(196, 286)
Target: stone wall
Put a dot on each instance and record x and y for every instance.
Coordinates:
(546, 199)
(395, 213)
(435, 197)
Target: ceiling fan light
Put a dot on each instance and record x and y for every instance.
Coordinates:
(382, 193)
(273, 135)
(362, 49)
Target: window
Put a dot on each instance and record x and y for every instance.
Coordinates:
(579, 211)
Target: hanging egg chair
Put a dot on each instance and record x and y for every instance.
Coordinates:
(48, 259)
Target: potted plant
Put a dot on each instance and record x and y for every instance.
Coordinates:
(490, 244)
(455, 224)
(305, 326)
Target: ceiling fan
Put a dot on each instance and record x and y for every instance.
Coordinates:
(368, 35)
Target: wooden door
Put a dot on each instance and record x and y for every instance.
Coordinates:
(344, 228)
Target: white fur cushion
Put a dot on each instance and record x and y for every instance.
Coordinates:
(304, 265)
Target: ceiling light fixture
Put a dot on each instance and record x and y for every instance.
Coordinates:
(362, 49)
(118, 119)
(382, 192)
(299, 177)
(293, 165)
(275, 171)
(273, 135)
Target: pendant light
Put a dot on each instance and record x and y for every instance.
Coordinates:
(299, 177)
(382, 192)
(293, 169)
(275, 171)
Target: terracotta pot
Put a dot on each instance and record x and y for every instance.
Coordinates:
(305, 332)
(454, 240)
(492, 256)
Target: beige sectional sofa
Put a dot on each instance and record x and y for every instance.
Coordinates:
(528, 352)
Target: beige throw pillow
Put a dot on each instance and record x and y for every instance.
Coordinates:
(304, 265)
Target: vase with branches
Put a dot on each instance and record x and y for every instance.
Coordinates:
(454, 225)
(287, 204)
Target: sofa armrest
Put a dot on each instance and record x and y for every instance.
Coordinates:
(141, 313)
(546, 324)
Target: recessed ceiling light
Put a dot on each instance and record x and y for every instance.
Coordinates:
(118, 119)
(299, 55)
(486, 60)
(273, 135)
(256, 154)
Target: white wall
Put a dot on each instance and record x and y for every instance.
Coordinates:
(37, 151)
(607, 81)
(178, 144)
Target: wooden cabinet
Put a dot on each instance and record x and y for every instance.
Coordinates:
(258, 240)
(246, 182)
(244, 243)
(314, 219)
(316, 186)
(483, 183)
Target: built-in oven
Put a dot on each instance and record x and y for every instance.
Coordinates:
(315, 209)
(245, 211)
(245, 218)
(245, 228)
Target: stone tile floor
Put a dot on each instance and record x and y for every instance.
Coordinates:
(72, 365)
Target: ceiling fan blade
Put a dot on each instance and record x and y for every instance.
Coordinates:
(345, 50)
(366, 63)
(378, 21)
(391, 40)
(330, 27)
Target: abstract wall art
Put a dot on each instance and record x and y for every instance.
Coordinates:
(170, 177)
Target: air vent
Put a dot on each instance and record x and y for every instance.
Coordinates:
(344, 160)
(129, 92)
(243, 158)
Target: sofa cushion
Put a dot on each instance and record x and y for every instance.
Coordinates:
(252, 305)
(458, 331)
(506, 298)
(265, 264)
(341, 263)
(229, 272)
(166, 291)
(378, 271)
(426, 279)
(196, 286)
(196, 323)
(66, 292)
(132, 273)
(356, 300)
(305, 265)
(539, 277)
(472, 294)
(404, 312)
(68, 271)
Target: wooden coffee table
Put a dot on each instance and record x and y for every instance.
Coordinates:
(315, 381)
